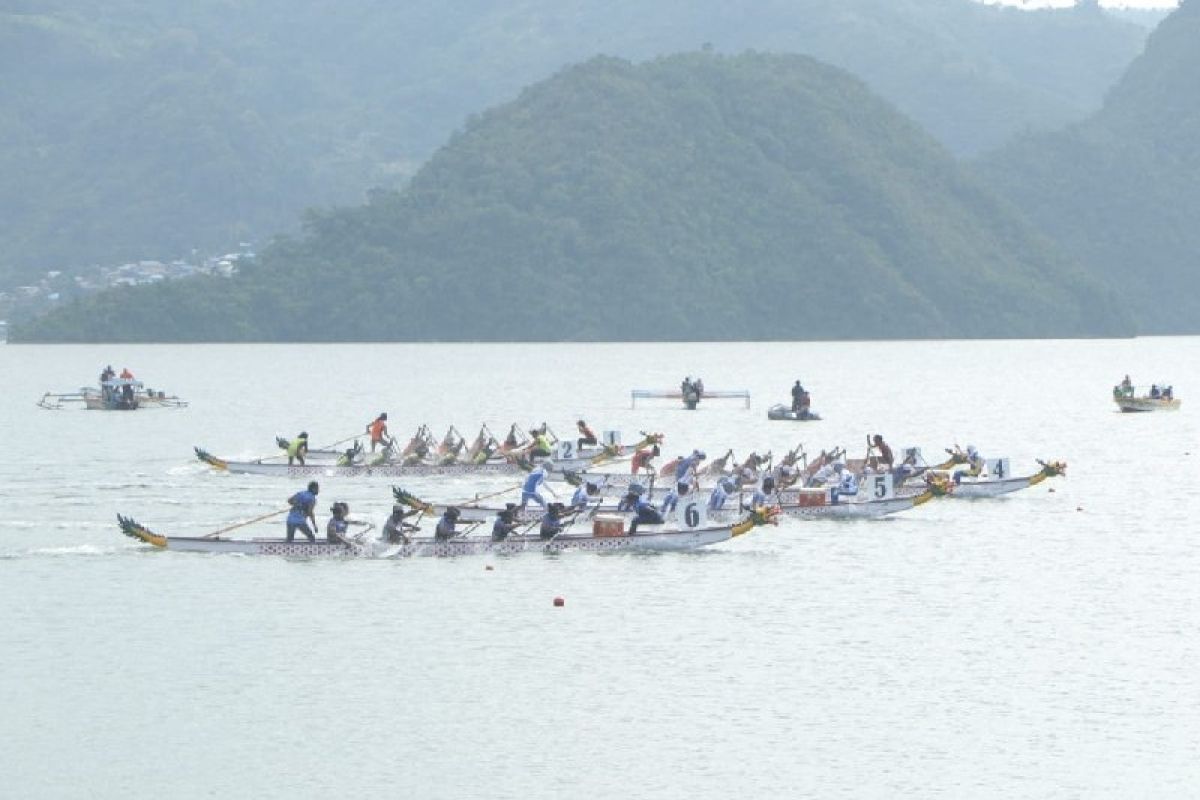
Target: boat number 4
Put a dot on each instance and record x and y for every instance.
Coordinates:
(998, 468)
(692, 515)
(564, 450)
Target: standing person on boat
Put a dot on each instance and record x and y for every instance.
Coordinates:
(798, 397)
(303, 505)
(642, 458)
(885, 459)
(529, 491)
(504, 525)
(297, 449)
(587, 437)
(1127, 387)
(445, 527)
(687, 466)
(720, 493)
(378, 431)
(126, 375)
(584, 495)
(395, 530)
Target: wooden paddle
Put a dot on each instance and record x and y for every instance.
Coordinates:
(235, 526)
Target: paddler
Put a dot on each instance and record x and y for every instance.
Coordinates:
(720, 492)
(552, 522)
(297, 449)
(541, 443)
(688, 465)
(885, 459)
(847, 484)
(587, 437)
(644, 514)
(395, 530)
(762, 495)
(529, 491)
(303, 504)
(335, 530)
(504, 525)
(642, 458)
(584, 494)
(378, 431)
(445, 527)
(975, 464)
(671, 499)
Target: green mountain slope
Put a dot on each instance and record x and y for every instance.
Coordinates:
(695, 196)
(142, 129)
(1121, 191)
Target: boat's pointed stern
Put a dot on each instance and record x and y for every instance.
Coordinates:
(133, 530)
(210, 459)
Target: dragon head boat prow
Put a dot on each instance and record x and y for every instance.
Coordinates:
(404, 498)
(1050, 469)
(763, 515)
(210, 459)
(133, 530)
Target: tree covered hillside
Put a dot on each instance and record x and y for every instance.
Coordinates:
(1121, 191)
(142, 129)
(691, 197)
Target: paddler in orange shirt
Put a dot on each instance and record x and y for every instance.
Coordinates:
(377, 430)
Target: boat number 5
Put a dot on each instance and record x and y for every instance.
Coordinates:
(880, 487)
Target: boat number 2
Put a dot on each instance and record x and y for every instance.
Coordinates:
(564, 450)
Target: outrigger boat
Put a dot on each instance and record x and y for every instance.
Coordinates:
(115, 394)
(604, 537)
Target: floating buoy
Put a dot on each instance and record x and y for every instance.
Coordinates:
(488, 568)
(1051, 489)
(559, 602)
(1079, 508)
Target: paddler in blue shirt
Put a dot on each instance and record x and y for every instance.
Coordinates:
(445, 527)
(688, 464)
(302, 513)
(584, 495)
(671, 499)
(762, 495)
(504, 524)
(644, 514)
(552, 523)
(720, 492)
(529, 491)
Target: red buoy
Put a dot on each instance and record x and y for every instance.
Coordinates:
(559, 602)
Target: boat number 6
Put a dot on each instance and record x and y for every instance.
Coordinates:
(691, 516)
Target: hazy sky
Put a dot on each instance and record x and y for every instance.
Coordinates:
(1115, 3)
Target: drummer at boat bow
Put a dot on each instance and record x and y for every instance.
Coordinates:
(303, 505)
(529, 491)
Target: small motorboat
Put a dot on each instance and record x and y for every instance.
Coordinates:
(779, 411)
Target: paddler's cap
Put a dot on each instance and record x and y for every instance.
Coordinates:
(636, 488)
(303, 434)
(397, 509)
(592, 486)
(700, 454)
(509, 506)
(452, 512)
(313, 487)
(727, 484)
(383, 415)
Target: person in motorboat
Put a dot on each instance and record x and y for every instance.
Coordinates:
(378, 431)
(303, 505)
(1168, 393)
(505, 524)
(395, 530)
(587, 437)
(126, 375)
(686, 468)
(1154, 393)
(1127, 387)
(644, 513)
(642, 460)
(445, 526)
(297, 449)
(720, 493)
(800, 399)
(529, 491)
(884, 458)
(584, 494)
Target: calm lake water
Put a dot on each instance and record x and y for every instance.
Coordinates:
(1041, 645)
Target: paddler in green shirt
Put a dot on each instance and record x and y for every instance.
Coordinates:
(297, 449)
(541, 443)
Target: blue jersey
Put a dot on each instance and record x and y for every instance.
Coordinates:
(302, 505)
(535, 479)
(580, 498)
(716, 500)
(685, 466)
(670, 501)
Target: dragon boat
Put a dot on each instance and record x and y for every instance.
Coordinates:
(396, 469)
(996, 480)
(603, 537)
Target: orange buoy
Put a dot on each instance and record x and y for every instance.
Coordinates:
(559, 602)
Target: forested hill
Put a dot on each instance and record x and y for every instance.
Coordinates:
(134, 129)
(1121, 191)
(691, 197)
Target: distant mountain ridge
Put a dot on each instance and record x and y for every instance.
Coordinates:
(139, 129)
(1121, 191)
(691, 197)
